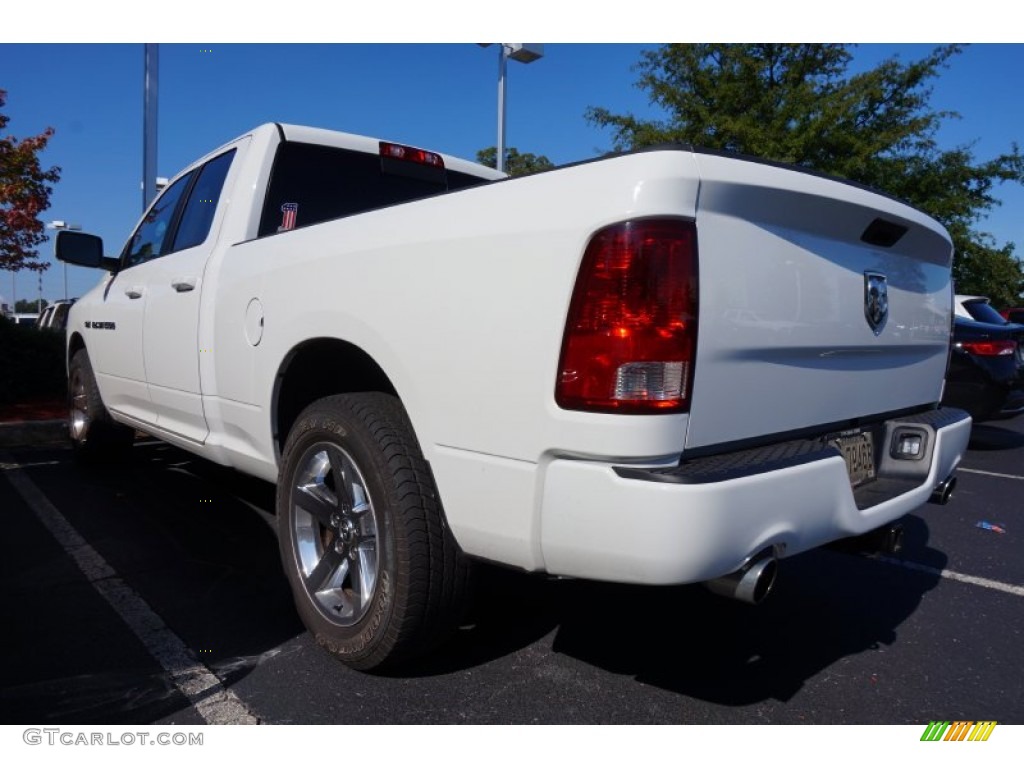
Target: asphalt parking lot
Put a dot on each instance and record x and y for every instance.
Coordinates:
(151, 592)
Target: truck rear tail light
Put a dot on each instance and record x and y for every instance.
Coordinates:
(631, 333)
(989, 348)
(411, 154)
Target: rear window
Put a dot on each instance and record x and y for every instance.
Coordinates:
(1016, 315)
(983, 312)
(311, 183)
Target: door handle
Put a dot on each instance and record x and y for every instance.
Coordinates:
(135, 292)
(183, 284)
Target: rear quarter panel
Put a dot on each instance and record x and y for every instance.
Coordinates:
(461, 299)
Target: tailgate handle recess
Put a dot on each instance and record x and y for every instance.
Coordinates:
(882, 233)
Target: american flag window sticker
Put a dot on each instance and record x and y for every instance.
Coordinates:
(289, 211)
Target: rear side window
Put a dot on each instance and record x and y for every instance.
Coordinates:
(171, 217)
(312, 183)
(202, 203)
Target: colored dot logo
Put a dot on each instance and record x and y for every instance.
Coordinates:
(206, 50)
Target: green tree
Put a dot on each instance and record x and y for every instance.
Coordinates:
(30, 305)
(516, 164)
(24, 194)
(797, 103)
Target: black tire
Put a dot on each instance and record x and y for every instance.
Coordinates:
(376, 575)
(95, 437)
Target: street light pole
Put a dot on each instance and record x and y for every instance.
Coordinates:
(502, 72)
(150, 87)
(524, 52)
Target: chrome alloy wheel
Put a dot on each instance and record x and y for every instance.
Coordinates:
(334, 529)
(78, 416)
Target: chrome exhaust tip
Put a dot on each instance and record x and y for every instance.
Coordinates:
(750, 584)
(943, 491)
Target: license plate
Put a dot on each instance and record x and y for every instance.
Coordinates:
(859, 454)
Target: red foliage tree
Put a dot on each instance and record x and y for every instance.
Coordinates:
(24, 194)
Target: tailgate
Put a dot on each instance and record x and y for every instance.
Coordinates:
(820, 303)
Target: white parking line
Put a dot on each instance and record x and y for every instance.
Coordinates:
(990, 474)
(215, 704)
(6, 466)
(977, 581)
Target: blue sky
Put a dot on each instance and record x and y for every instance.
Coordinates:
(442, 97)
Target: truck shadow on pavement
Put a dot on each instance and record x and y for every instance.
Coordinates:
(826, 605)
(193, 540)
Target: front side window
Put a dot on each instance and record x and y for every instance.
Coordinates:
(151, 238)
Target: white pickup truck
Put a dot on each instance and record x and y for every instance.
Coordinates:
(664, 367)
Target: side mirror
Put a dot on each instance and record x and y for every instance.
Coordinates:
(83, 250)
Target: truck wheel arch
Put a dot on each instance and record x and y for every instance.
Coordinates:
(318, 368)
(75, 343)
(95, 436)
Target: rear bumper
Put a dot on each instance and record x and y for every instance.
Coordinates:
(603, 522)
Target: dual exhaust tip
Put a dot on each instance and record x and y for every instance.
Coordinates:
(754, 581)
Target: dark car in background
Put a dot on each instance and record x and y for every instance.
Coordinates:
(1014, 314)
(986, 367)
(978, 308)
(55, 316)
